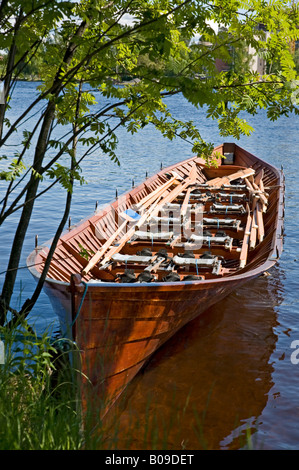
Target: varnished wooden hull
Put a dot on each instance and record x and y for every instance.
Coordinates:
(117, 326)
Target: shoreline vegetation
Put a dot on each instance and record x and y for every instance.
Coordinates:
(39, 408)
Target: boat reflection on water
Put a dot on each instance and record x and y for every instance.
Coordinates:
(207, 387)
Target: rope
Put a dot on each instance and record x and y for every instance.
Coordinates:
(21, 337)
(81, 303)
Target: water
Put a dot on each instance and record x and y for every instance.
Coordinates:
(229, 373)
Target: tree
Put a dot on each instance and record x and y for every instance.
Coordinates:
(90, 45)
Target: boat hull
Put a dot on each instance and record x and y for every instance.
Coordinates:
(117, 329)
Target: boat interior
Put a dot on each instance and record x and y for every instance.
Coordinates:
(189, 222)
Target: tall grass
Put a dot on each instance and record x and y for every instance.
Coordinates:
(38, 405)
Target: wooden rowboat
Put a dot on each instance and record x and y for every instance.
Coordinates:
(127, 278)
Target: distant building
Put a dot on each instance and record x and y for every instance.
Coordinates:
(258, 63)
(222, 66)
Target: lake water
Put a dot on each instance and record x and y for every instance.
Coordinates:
(228, 374)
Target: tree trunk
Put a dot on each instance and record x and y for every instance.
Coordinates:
(20, 233)
(29, 303)
(40, 151)
(9, 71)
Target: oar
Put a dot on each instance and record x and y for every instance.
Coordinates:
(93, 261)
(256, 192)
(244, 249)
(261, 194)
(259, 177)
(185, 203)
(147, 200)
(260, 223)
(253, 232)
(261, 186)
(249, 184)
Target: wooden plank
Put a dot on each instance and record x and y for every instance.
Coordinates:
(260, 193)
(253, 230)
(260, 223)
(249, 184)
(95, 259)
(259, 177)
(218, 182)
(261, 186)
(184, 206)
(144, 202)
(244, 249)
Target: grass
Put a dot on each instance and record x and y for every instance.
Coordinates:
(38, 407)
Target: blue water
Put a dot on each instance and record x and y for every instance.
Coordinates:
(262, 317)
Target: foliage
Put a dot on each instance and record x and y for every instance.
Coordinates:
(296, 60)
